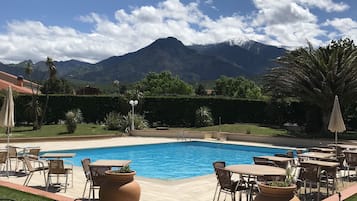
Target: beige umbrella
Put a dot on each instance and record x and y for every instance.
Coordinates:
(336, 123)
(7, 117)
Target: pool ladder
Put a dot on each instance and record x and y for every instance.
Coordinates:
(181, 136)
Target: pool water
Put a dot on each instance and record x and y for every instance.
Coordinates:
(176, 160)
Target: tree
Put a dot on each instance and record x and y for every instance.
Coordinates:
(238, 87)
(163, 84)
(56, 86)
(200, 90)
(316, 75)
(33, 108)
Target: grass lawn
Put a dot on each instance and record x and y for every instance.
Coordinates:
(58, 130)
(95, 129)
(245, 128)
(353, 198)
(19, 195)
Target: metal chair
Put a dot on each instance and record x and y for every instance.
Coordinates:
(351, 160)
(217, 164)
(3, 159)
(97, 176)
(311, 174)
(85, 164)
(228, 186)
(31, 170)
(56, 169)
(13, 156)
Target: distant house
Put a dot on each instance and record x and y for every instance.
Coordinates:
(88, 90)
(18, 83)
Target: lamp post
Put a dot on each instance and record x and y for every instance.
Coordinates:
(133, 103)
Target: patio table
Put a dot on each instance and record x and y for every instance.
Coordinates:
(318, 155)
(110, 163)
(322, 149)
(280, 161)
(255, 170)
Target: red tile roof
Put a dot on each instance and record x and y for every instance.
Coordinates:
(7, 79)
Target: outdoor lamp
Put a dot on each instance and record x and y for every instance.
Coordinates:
(133, 103)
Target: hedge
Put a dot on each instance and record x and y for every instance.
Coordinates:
(170, 111)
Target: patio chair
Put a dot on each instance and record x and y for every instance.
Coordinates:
(97, 176)
(311, 174)
(351, 160)
(31, 170)
(13, 156)
(85, 165)
(228, 186)
(56, 169)
(217, 164)
(3, 160)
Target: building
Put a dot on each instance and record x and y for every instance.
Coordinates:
(17, 83)
(88, 90)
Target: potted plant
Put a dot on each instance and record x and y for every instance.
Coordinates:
(281, 189)
(119, 185)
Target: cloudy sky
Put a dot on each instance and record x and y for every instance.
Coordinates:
(92, 30)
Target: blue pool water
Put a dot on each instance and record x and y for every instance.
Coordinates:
(175, 160)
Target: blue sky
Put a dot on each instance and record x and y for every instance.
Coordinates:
(92, 30)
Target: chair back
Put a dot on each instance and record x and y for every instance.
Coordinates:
(3, 156)
(290, 154)
(28, 164)
(56, 166)
(12, 152)
(97, 174)
(34, 152)
(264, 161)
(224, 178)
(351, 158)
(219, 164)
(310, 172)
(86, 169)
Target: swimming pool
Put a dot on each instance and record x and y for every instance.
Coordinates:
(177, 160)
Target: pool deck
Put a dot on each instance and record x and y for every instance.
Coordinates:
(197, 188)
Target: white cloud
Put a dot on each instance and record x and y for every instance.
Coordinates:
(273, 12)
(345, 27)
(327, 5)
(281, 23)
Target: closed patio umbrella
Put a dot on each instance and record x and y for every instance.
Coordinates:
(7, 117)
(336, 123)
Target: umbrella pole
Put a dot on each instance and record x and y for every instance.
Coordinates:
(336, 142)
(8, 144)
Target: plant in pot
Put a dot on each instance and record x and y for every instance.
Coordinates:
(119, 185)
(281, 189)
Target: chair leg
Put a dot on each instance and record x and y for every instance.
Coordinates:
(47, 182)
(219, 194)
(65, 185)
(28, 178)
(85, 188)
(215, 192)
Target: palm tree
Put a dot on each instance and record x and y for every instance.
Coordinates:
(316, 75)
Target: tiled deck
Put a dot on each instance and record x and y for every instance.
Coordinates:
(198, 188)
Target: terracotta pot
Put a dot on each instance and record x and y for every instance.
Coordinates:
(276, 191)
(119, 187)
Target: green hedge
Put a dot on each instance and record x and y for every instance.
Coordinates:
(173, 111)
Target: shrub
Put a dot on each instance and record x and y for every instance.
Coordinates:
(112, 121)
(203, 117)
(73, 117)
(139, 122)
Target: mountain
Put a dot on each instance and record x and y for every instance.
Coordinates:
(194, 63)
(255, 58)
(163, 54)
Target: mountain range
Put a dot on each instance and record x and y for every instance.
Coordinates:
(193, 63)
